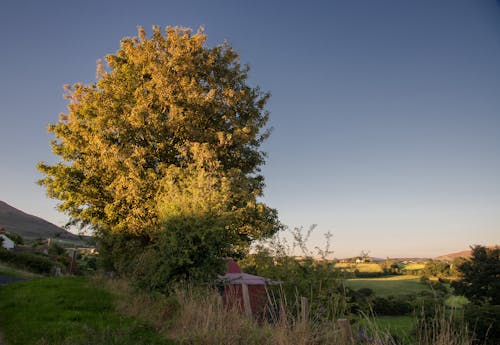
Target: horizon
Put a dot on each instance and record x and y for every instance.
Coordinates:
(386, 115)
(298, 254)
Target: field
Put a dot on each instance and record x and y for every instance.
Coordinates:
(415, 266)
(362, 267)
(385, 286)
(403, 326)
(60, 311)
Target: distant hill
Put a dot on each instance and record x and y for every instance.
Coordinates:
(461, 254)
(28, 226)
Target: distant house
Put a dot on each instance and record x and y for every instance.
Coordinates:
(7, 242)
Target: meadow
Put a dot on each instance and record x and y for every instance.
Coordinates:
(67, 311)
(362, 267)
(387, 286)
(99, 311)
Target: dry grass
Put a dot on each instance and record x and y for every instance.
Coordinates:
(414, 266)
(369, 267)
(198, 316)
(442, 330)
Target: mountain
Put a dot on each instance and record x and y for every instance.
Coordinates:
(29, 226)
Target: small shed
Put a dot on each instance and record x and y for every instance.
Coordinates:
(246, 291)
(7, 242)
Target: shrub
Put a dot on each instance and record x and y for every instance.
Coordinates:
(484, 320)
(479, 276)
(29, 261)
(18, 240)
(392, 306)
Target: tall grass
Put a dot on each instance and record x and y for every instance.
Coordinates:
(198, 316)
(442, 328)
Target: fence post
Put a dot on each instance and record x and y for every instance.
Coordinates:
(72, 264)
(345, 328)
(303, 308)
(246, 300)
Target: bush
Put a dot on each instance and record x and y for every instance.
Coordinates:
(359, 274)
(438, 288)
(427, 304)
(392, 306)
(87, 264)
(485, 322)
(479, 276)
(29, 261)
(18, 240)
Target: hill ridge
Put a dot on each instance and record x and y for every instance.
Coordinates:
(29, 226)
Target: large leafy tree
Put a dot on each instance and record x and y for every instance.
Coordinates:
(480, 276)
(168, 116)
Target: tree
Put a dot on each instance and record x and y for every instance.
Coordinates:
(480, 276)
(162, 105)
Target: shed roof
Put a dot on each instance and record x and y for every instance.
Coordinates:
(235, 276)
(249, 279)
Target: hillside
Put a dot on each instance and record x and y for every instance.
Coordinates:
(461, 254)
(29, 226)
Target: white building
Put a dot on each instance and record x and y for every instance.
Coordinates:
(7, 242)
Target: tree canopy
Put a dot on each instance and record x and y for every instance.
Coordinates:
(480, 276)
(170, 128)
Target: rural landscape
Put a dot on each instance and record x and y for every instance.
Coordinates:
(250, 173)
(56, 291)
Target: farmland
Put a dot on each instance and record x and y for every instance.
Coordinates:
(362, 267)
(386, 286)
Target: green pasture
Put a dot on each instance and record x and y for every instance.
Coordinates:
(386, 286)
(60, 311)
(401, 326)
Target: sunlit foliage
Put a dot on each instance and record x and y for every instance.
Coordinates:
(170, 129)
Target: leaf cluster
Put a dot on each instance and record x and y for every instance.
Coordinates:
(156, 103)
(480, 276)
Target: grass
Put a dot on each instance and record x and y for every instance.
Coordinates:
(370, 267)
(76, 311)
(198, 316)
(414, 266)
(401, 326)
(386, 286)
(8, 270)
(67, 311)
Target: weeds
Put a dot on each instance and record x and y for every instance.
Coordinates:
(194, 315)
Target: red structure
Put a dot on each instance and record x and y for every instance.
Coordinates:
(235, 283)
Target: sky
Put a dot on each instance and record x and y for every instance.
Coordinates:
(385, 114)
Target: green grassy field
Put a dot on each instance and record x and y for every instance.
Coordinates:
(67, 311)
(402, 326)
(386, 286)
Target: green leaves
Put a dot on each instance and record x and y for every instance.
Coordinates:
(170, 130)
(480, 276)
(159, 99)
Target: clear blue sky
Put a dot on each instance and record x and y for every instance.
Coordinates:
(386, 113)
